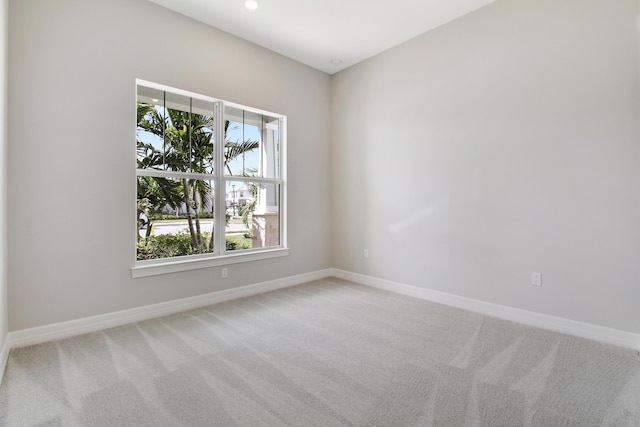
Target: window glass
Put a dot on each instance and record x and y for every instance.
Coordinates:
(253, 215)
(175, 217)
(252, 144)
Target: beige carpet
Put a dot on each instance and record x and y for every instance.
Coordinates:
(328, 353)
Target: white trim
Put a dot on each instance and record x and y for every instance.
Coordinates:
(159, 173)
(4, 357)
(282, 156)
(220, 205)
(539, 320)
(71, 328)
(164, 266)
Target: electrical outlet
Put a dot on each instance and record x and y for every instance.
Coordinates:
(225, 272)
(536, 279)
(366, 253)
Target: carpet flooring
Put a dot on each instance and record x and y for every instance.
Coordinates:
(326, 353)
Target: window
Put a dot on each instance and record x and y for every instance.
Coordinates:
(210, 181)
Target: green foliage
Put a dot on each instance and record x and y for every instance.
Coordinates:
(180, 244)
(165, 246)
(236, 149)
(238, 241)
(168, 217)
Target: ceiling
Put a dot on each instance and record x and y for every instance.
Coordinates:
(329, 35)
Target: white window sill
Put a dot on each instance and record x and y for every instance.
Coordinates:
(166, 266)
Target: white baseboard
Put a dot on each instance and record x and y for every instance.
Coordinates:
(85, 325)
(4, 357)
(544, 321)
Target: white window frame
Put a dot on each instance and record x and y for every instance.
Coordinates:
(220, 256)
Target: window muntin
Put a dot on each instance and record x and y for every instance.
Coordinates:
(187, 209)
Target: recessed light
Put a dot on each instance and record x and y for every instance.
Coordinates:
(155, 100)
(336, 61)
(251, 4)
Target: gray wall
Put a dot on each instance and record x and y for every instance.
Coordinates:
(71, 198)
(4, 316)
(505, 142)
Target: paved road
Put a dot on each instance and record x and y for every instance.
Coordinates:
(175, 227)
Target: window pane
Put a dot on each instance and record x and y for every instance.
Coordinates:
(253, 215)
(202, 136)
(150, 129)
(175, 217)
(251, 144)
(175, 132)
